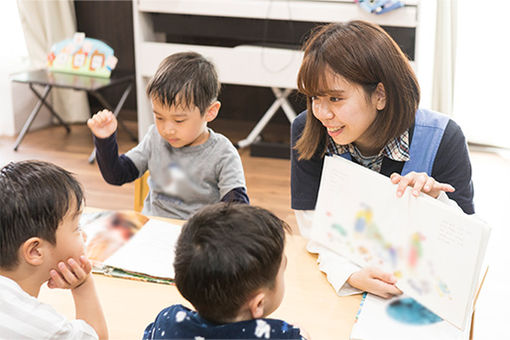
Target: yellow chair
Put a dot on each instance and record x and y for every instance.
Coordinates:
(141, 191)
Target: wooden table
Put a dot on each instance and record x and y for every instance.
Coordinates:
(310, 301)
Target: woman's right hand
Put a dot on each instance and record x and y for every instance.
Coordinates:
(375, 281)
(103, 124)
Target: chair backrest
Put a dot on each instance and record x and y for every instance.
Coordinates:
(141, 191)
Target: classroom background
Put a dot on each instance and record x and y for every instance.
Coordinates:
(457, 49)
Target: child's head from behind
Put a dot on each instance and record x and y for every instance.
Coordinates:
(184, 94)
(349, 70)
(229, 262)
(40, 204)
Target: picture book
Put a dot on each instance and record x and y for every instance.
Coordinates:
(401, 318)
(130, 245)
(433, 248)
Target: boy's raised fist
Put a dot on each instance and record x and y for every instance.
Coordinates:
(103, 124)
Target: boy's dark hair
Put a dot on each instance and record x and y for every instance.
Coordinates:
(224, 254)
(34, 198)
(185, 79)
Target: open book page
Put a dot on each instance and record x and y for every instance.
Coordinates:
(150, 251)
(401, 318)
(358, 214)
(434, 249)
(107, 231)
(444, 259)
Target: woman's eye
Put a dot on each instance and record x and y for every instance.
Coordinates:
(313, 98)
(334, 99)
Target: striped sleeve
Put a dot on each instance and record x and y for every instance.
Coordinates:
(24, 317)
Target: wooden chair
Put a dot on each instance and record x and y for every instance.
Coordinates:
(141, 191)
(471, 331)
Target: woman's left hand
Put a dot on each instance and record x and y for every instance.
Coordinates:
(420, 182)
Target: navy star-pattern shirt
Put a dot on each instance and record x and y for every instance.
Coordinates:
(179, 322)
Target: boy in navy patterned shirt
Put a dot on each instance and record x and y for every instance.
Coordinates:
(229, 264)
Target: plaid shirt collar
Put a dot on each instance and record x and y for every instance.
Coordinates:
(397, 149)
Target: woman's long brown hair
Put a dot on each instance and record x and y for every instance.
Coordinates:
(364, 54)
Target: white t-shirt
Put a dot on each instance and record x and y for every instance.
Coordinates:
(24, 317)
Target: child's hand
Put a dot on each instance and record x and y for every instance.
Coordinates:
(70, 275)
(375, 281)
(103, 124)
(420, 181)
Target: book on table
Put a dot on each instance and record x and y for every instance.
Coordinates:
(130, 245)
(401, 318)
(433, 248)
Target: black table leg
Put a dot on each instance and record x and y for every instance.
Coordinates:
(52, 111)
(32, 116)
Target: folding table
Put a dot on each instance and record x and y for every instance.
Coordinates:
(89, 84)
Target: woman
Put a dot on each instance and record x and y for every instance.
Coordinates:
(362, 104)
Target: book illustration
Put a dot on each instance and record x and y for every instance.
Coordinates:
(108, 231)
(150, 251)
(129, 245)
(415, 250)
(365, 241)
(365, 228)
(408, 310)
(401, 318)
(434, 250)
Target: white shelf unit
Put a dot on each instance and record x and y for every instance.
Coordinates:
(244, 65)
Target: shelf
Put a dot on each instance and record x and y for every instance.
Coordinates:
(260, 66)
(298, 10)
(247, 64)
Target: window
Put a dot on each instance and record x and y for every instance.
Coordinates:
(482, 87)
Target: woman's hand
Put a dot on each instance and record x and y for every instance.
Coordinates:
(420, 182)
(375, 281)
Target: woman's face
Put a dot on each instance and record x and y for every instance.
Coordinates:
(346, 112)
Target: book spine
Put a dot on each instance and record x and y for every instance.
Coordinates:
(360, 306)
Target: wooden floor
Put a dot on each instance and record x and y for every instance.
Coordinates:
(268, 179)
(268, 182)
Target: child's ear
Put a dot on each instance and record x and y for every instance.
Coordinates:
(32, 251)
(256, 305)
(380, 97)
(212, 111)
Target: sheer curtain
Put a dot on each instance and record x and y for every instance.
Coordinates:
(482, 88)
(12, 59)
(45, 23)
(444, 56)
